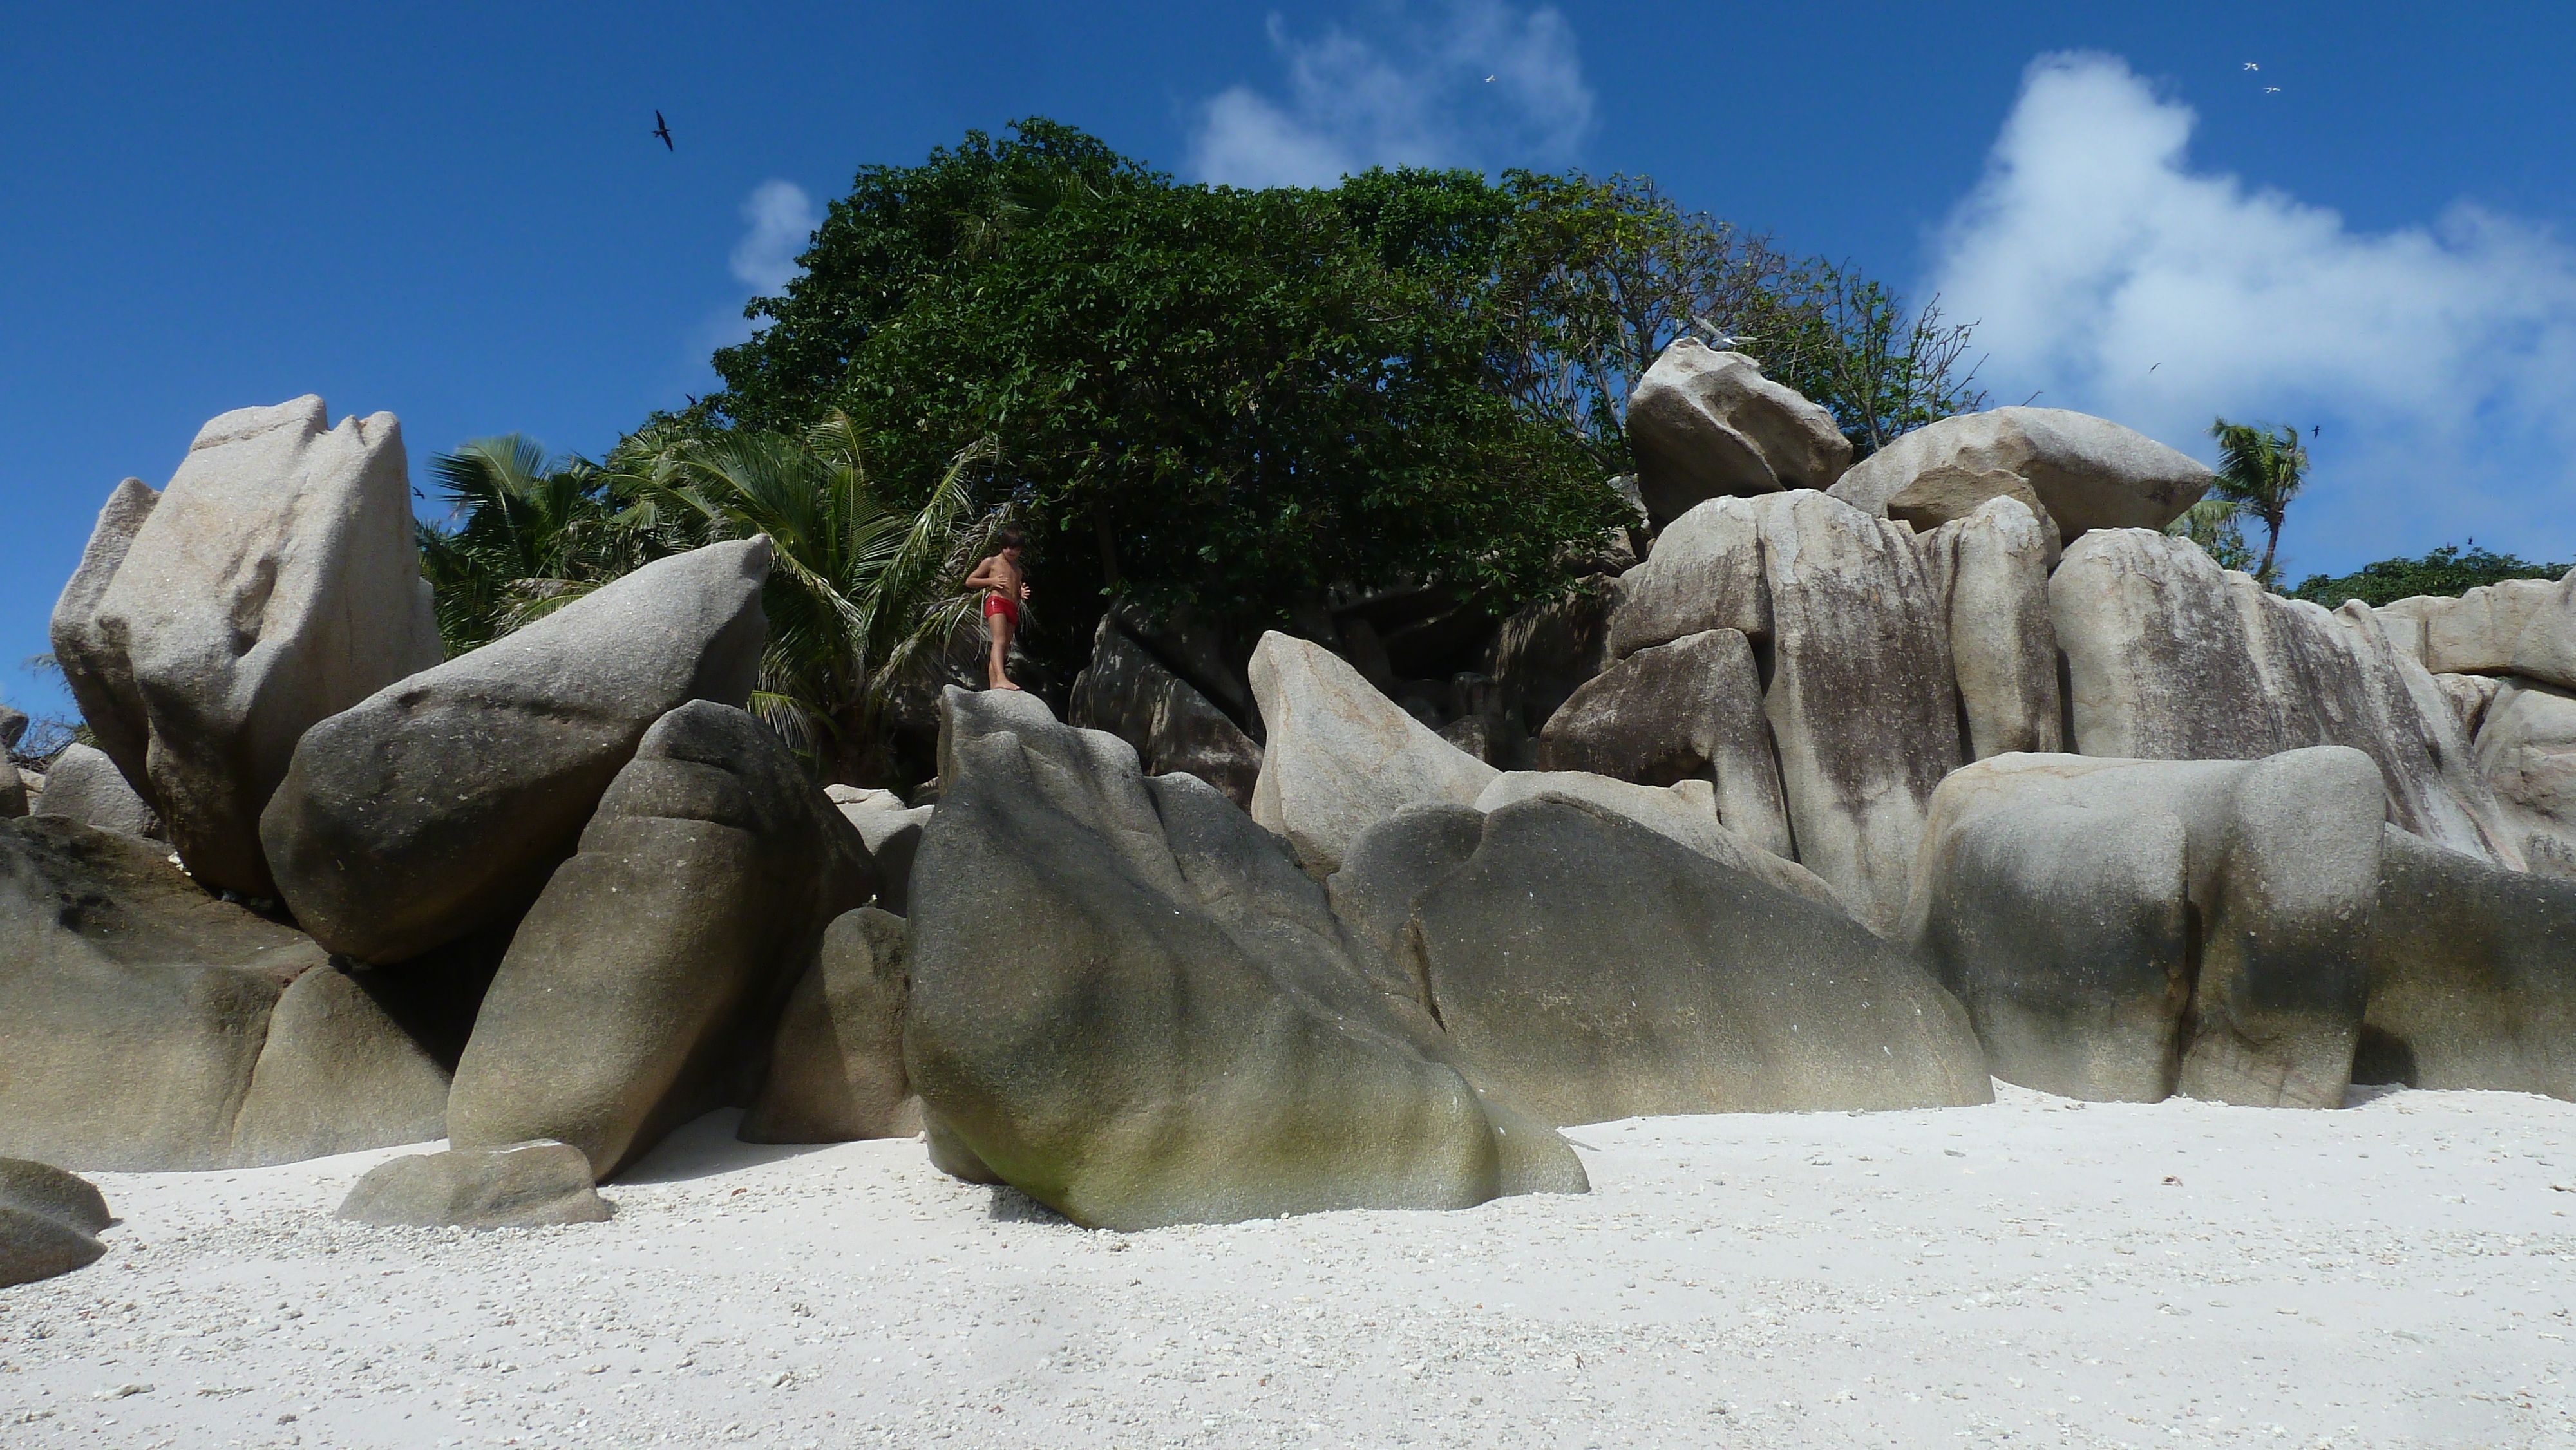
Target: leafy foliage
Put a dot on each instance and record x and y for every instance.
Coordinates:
(1236, 399)
(2260, 470)
(2451, 569)
(862, 594)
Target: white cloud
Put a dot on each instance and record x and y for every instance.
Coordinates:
(2109, 275)
(1482, 83)
(782, 219)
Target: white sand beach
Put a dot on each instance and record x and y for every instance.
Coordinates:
(2039, 1272)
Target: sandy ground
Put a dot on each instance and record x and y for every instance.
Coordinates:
(2034, 1273)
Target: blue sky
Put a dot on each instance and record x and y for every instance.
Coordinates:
(455, 213)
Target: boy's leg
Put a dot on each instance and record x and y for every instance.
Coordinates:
(995, 676)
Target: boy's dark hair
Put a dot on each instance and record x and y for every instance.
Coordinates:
(1010, 538)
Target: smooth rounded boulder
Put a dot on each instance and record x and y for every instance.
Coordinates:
(836, 1065)
(1690, 709)
(49, 1221)
(1595, 969)
(272, 585)
(1341, 757)
(516, 1185)
(1707, 424)
(85, 786)
(1130, 1003)
(2125, 930)
(644, 987)
(146, 1026)
(439, 806)
(2472, 975)
(2087, 472)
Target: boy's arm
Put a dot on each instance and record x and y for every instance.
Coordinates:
(983, 576)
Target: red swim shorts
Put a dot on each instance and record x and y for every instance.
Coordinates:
(1007, 608)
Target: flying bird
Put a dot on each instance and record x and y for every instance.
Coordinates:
(2249, 65)
(2151, 367)
(1489, 80)
(2312, 429)
(2271, 90)
(662, 129)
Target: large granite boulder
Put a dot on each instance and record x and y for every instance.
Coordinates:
(1990, 570)
(2087, 472)
(2472, 975)
(2526, 754)
(85, 786)
(92, 648)
(892, 833)
(1129, 693)
(2168, 657)
(49, 1222)
(1593, 969)
(440, 805)
(1855, 625)
(1861, 700)
(2519, 626)
(273, 585)
(1706, 424)
(1187, 1036)
(517, 1185)
(1684, 812)
(645, 985)
(146, 1026)
(1690, 709)
(2123, 930)
(1340, 756)
(836, 1065)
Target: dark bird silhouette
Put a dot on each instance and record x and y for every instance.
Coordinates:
(662, 129)
(2312, 429)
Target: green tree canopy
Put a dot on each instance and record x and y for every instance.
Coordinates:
(2451, 569)
(1237, 399)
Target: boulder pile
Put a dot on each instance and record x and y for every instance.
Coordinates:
(1837, 785)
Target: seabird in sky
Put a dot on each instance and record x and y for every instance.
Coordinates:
(662, 129)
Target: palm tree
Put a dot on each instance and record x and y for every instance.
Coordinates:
(861, 593)
(531, 532)
(2217, 525)
(2261, 469)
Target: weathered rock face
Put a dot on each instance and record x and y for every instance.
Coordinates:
(1190, 1039)
(2170, 658)
(146, 1026)
(892, 833)
(1684, 813)
(836, 1066)
(273, 585)
(1707, 424)
(1948, 494)
(2526, 753)
(86, 786)
(1173, 727)
(49, 1222)
(2123, 930)
(1861, 701)
(2472, 975)
(2468, 696)
(92, 648)
(1594, 969)
(1691, 709)
(519, 1185)
(1341, 757)
(335, 1061)
(439, 805)
(1856, 629)
(2087, 472)
(645, 985)
(1991, 570)
(2521, 626)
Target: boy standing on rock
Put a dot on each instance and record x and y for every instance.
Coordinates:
(1004, 586)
